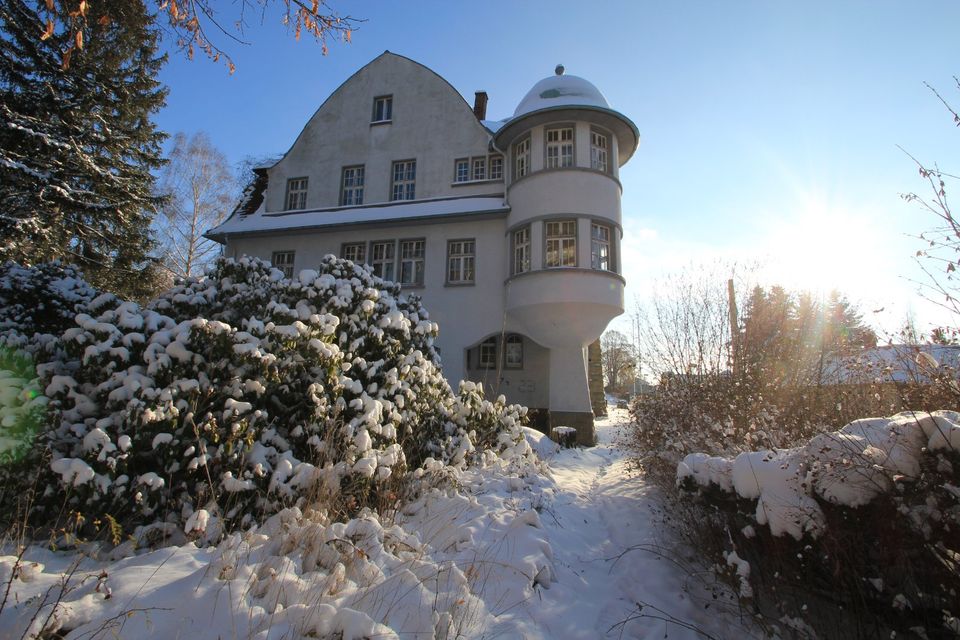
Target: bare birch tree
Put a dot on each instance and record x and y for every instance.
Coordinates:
(201, 190)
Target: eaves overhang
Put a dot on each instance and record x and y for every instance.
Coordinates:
(627, 133)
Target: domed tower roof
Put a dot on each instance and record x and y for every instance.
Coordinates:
(572, 97)
(561, 91)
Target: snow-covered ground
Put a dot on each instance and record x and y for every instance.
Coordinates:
(575, 551)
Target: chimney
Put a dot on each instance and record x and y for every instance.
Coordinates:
(480, 105)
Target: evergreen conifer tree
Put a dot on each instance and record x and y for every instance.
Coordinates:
(77, 144)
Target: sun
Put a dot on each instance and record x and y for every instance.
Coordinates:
(823, 247)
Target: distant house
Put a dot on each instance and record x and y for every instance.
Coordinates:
(900, 363)
(509, 230)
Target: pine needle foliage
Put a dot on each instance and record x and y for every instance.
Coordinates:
(77, 145)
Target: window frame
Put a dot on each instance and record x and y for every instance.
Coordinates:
(418, 278)
(298, 192)
(512, 339)
(356, 190)
(490, 162)
(563, 240)
(491, 361)
(387, 111)
(518, 249)
(390, 262)
(521, 169)
(461, 258)
(357, 245)
(285, 265)
(407, 185)
(598, 243)
(464, 175)
(474, 177)
(560, 144)
(596, 150)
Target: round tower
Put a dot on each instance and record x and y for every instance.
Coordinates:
(563, 150)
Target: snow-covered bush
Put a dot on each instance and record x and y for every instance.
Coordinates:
(37, 303)
(243, 392)
(869, 514)
(40, 300)
(711, 413)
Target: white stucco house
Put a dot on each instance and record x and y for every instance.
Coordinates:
(508, 230)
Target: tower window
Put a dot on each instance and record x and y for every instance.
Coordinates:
(600, 247)
(598, 151)
(513, 352)
(521, 250)
(561, 243)
(521, 154)
(559, 148)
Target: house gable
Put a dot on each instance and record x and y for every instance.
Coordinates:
(430, 123)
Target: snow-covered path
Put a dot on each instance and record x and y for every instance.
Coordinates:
(609, 555)
(577, 551)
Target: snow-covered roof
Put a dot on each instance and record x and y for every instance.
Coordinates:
(561, 91)
(494, 125)
(896, 363)
(367, 214)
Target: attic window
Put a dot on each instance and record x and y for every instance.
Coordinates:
(382, 109)
(296, 194)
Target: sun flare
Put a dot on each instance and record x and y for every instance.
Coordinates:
(822, 247)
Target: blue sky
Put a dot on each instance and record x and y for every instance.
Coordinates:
(769, 130)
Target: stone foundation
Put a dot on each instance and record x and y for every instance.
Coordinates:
(598, 400)
(582, 422)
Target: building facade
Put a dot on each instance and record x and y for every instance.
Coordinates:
(508, 230)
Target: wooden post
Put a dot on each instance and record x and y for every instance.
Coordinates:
(734, 328)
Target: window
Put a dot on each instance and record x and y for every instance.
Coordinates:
(479, 168)
(382, 259)
(561, 243)
(461, 258)
(513, 352)
(488, 354)
(296, 193)
(461, 172)
(383, 109)
(283, 260)
(559, 148)
(351, 186)
(598, 151)
(521, 153)
(404, 180)
(356, 251)
(496, 167)
(600, 247)
(411, 261)
(521, 250)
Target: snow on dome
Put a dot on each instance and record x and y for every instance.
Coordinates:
(561, 90)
